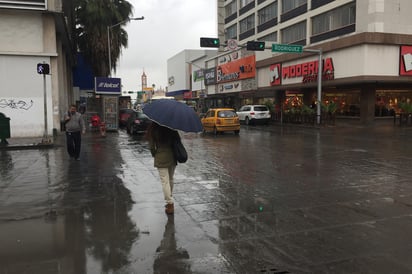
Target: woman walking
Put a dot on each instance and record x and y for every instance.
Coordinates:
(160, 141)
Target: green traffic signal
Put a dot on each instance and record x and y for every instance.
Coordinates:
(209, 42)
(255, 45)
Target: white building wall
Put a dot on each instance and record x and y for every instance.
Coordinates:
(178, 70)
(389, 16)
(28, 39)
(178, 67)
(21, 96)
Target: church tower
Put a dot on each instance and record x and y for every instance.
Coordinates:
(144, 80)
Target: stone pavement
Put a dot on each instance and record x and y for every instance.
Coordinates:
(102, 214)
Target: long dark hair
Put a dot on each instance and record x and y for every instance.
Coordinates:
(160, 134)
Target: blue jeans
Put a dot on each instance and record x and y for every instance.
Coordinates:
(73, 140)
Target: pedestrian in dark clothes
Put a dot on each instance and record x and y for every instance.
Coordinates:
(75, 126)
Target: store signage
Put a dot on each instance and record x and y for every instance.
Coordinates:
(308, 71)
(236, 70)
(275, 71)
(106, 85)
(229, 87)
(171, 80)
(187, 95)
(210, 76)
(405, 64)
(198, 75)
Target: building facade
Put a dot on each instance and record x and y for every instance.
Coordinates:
(188, 83)
(366, 56)
(35, 32)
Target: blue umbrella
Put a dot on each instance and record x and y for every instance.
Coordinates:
(173, 114)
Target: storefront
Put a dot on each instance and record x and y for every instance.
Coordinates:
(362, 74)
(105, 103)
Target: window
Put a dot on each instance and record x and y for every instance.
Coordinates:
(247, 23)
(288, 5)
(231, 32)
(231, 8)
(268, 13)
(245, 2)
(294, 33)
(226, 114)
(334, 19)
(261, 108)
(272, 37)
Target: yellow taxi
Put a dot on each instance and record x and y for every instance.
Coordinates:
(221, 120)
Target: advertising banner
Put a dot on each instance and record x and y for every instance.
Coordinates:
(105, 85)
(237, 70)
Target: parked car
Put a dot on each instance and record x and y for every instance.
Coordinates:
(254, 114)
(221, 120)
(124, 114)
(137, 122)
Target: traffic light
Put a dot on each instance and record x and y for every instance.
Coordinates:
(209, 42)
(43, 68)
(255, 45)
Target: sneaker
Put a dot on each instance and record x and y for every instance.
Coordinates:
(77, 159)
(170, 209)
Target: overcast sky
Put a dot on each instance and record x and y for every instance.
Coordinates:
(169, 27)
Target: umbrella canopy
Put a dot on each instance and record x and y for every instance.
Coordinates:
(174, 115)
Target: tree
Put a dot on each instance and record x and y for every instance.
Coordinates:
(92, 17)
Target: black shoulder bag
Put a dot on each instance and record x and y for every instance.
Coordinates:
(179, 150)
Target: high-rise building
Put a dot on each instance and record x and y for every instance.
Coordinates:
(366, 50)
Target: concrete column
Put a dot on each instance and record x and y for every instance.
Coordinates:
(367, 105)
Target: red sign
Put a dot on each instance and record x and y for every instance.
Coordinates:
(187, 95)
(237, 70)
(308, 71)
(275, 79)
(405, 64)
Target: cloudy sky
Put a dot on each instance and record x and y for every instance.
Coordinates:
(169, 27)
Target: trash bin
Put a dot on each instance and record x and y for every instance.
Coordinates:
(4, 129)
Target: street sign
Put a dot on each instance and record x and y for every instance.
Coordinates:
(43, 68)
(287, 48)
(232, 44)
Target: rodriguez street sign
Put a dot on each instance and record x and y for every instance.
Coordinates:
(287, 48)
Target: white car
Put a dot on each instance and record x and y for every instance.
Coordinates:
(254, 114)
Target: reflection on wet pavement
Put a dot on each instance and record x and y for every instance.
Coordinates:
(288, 200)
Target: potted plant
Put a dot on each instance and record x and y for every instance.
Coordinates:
(406, 111)
(329, 109)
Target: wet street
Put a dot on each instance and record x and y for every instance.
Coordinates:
(271, 200)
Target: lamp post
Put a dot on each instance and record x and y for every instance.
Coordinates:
(108, 39)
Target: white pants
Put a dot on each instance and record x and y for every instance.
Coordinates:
(166, 177)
